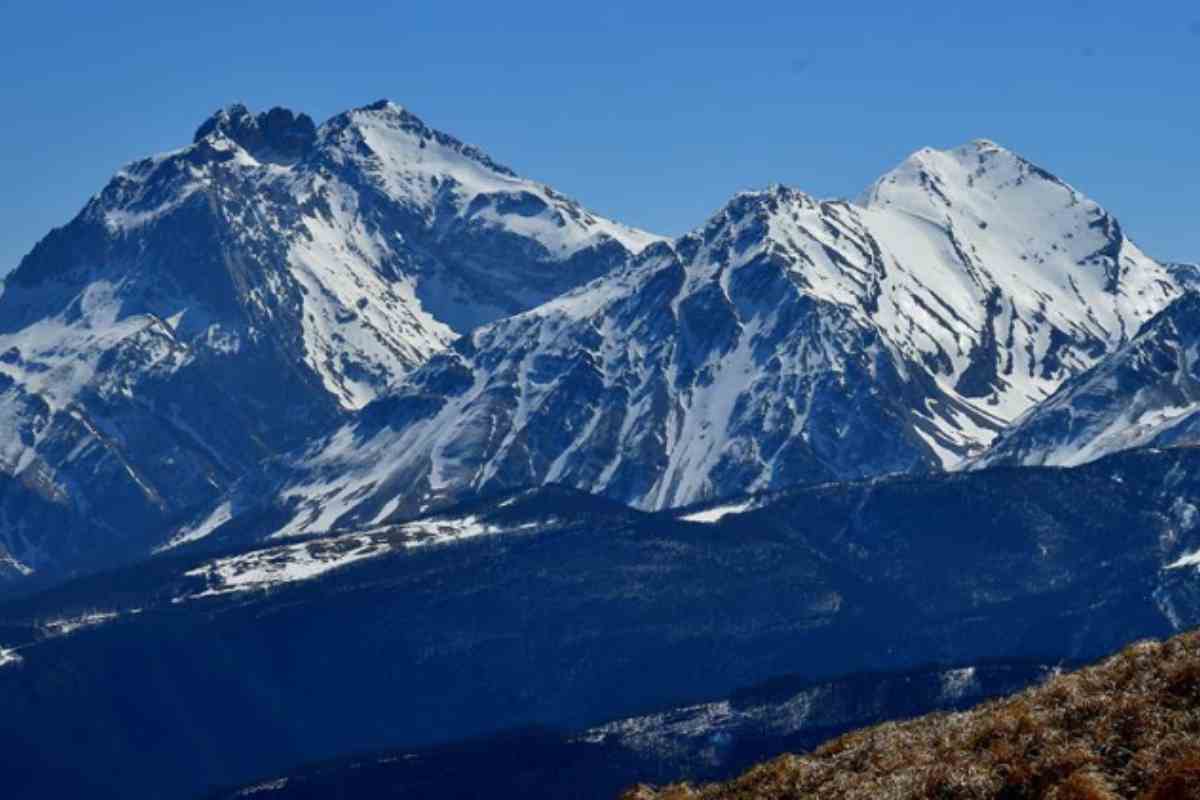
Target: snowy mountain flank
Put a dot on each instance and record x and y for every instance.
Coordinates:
(1146, 394)
(788, 340)
(225, 302)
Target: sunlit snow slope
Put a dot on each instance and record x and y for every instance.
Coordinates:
(1146, 394)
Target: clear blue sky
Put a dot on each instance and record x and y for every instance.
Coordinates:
(651, 112)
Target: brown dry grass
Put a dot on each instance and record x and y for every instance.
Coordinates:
(1128, 728)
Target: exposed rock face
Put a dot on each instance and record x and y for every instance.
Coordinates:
(278, 134)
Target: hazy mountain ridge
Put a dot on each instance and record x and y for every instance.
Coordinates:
(708, 741)
(1123, 728)
(550, 607)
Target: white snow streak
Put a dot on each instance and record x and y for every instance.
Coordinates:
(718, 513)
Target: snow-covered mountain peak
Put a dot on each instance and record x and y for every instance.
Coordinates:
(930, 182)
(215, 305)
(1059, 259)
(775, 199)
(393, 131)
(745, 226)
(438, 175)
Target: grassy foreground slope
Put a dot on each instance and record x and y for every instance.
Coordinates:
(1128, 727)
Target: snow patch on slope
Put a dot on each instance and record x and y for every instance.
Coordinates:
(1186, 560)
(718, 513)
(65, 626)
(19, 567)
(199, 530)
(664, 732)
(267, 568)
(302, 561)
(956, 683)
(9, 658)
